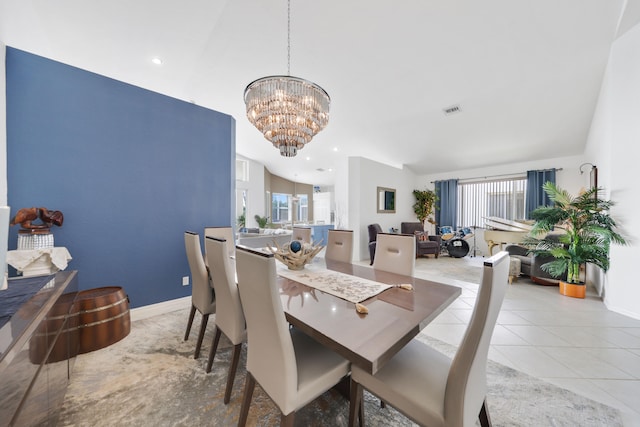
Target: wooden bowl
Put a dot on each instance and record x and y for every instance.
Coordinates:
(295, 260)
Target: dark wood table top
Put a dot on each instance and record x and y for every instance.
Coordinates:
(395, 315)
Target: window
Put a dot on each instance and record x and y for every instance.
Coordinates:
(280, 207)
(303, 207)
(501, 198)
(283, 206)
(242, 170)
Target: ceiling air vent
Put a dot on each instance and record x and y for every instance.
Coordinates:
(320, 170)
(452, 110)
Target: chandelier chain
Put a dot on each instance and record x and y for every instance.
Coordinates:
(288, 37)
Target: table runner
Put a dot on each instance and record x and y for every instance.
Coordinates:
(351, 288)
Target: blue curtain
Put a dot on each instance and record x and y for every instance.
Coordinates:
(447, 204)
(536, 196)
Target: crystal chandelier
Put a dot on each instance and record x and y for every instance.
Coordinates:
(289, 111)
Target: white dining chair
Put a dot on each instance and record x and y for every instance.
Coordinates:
(339, 245)
(301, 233)
(395, 253)
(229, 316)
(203, 297)
(429, 387)
(225, 233)
(291, 367)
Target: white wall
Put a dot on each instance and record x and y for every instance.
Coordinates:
(364, 177)
(341, 194)
(613, 147)
(3, 127)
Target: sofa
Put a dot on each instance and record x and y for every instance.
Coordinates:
(266, 238)
(531, 265)
(425, 244)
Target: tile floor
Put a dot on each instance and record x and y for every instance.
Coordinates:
(576, 344)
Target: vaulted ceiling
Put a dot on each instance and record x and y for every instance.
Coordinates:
(525, 74)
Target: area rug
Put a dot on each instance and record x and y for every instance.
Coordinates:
(151, 379)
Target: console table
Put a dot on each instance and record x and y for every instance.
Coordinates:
(37, 347)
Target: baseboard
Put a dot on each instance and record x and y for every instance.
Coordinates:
(160, 308)
(631, 314)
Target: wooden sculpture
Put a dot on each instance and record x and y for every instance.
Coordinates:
(26, 216)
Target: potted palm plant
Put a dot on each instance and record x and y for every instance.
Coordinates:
(586, 228)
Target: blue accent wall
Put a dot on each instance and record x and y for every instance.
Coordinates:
(130, 169)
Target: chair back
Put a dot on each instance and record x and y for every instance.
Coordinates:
(229, 315)
(467, 381)
(225, 233)
(270, 355)
(373, 229)
(395, 253)
(202, 294)
(301, 233)
(411, 227)
(339, 245)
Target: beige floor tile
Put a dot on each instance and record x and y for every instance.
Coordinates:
(503, 336)
(510, 318)
(626, 392)
(584, 364)
(533, 361)
(625, 360)
(579, 336)
(632, 331)
(536, 335)
(464, 316)
(451, 334)
(446, 317)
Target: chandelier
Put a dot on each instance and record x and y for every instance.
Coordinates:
(289, 111)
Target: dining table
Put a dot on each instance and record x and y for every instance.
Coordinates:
(394, 316)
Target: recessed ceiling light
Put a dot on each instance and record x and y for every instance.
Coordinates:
(308, 158)
(335, 148)
(156, 60)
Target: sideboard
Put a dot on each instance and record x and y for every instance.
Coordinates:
(38, 345)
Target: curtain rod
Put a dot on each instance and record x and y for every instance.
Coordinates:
(499, 176)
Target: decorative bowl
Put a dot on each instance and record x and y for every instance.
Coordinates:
(292, 258)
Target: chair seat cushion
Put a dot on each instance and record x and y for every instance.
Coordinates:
(319, 368)
(428, 244)
(413, 381)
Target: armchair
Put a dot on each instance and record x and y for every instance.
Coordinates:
(423, 247)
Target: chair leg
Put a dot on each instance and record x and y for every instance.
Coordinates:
(214, 348)
(203, 328)
(191, 315)
(249, 385)
(287, 420)
(356, 408)
(231, 376)
(485, 420)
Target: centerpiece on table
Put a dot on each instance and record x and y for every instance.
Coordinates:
(296, 253)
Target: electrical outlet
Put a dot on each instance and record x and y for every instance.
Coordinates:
(185, 281)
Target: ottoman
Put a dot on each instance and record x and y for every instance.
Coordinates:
(514, 268)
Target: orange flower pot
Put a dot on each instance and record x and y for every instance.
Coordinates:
(572, 289)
